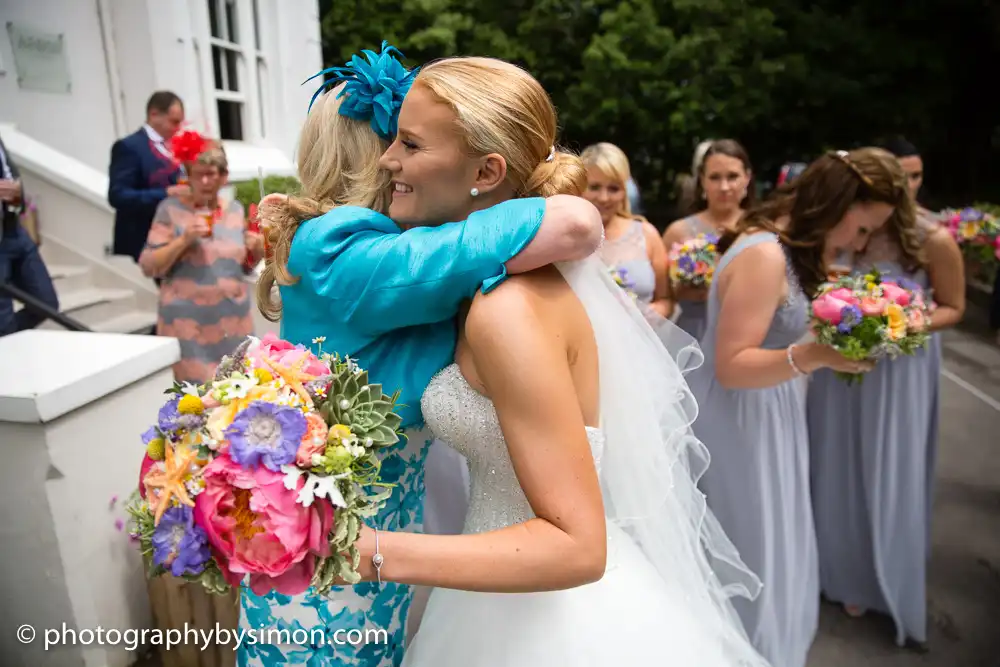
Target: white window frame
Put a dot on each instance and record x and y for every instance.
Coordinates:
(251, 66)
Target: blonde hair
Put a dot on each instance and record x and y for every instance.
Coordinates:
(214, 155)
(502, 109)
(613, 163)
(338, 166)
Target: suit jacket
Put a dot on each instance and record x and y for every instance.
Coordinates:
(10, 215)
(137, 182)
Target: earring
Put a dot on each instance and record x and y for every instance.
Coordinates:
(474, 192)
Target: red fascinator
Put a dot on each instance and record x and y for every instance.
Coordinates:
(187, 145)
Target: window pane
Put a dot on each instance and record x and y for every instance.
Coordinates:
(213, 17)
(231, 21)
(232, 78)
(256, 25)
(230, 120)
(217, 55)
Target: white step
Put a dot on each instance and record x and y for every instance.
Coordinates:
(66, 271)
(134, 321)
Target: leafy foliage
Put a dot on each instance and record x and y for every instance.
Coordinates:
(788, 79)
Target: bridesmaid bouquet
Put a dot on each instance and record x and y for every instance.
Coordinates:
(692, 263)
(978, 235)
(264, 471)
(870, 317)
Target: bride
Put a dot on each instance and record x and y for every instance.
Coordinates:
(574, 416)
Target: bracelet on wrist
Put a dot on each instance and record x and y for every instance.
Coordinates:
(791, 361)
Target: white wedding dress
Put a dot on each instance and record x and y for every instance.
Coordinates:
(660, 603)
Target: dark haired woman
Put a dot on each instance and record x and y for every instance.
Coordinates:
(873, 444)
(723, 187)
(752, 407)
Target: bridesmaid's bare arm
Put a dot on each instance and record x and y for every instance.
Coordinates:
(946, 272)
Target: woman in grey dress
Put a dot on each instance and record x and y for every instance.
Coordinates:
(873, 444)
(723, 189)
(631, 247)
(752, 413)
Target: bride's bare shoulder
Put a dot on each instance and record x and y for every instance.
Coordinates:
(541, 297)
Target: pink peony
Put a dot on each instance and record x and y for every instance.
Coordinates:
(844, 295)
(828, 308)
(916, 321)
(873, 307)
(895, 294)
(283, 353)
(255, 527)
(147, 464)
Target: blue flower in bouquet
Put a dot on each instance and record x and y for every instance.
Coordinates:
(168, 416)
(686, 264)
(970, 215)
(149, 435)
(850, 317)
(179, 544)
(712, 238)
(265, 433)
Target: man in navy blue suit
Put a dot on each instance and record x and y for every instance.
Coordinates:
(143, 173)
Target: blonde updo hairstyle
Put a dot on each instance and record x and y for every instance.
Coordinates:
(613, 163)
(338, 166)
(502, 109)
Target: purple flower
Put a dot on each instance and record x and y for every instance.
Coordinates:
(150, 434)
(168, 416)
(686, 264)
(908, 284)
(850, 317)
(712, 238)
(266, 433)
(179, 544)
(970, 215)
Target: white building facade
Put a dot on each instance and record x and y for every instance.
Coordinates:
(76, 74)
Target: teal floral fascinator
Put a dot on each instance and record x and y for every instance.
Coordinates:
(376, 86)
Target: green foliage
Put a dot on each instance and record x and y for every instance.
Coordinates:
(248, 192)
(788, 79)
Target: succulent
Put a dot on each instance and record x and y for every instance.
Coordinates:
(362, 407)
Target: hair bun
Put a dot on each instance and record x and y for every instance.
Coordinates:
(563, 174)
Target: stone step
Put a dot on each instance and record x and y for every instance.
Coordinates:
(131, 322)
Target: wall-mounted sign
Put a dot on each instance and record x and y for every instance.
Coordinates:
(40, 59)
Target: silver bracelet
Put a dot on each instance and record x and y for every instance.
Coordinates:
(791, 362)
(377, 559)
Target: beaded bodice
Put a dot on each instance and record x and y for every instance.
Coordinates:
(467, 420)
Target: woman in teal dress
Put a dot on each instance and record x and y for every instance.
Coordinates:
(387, 298)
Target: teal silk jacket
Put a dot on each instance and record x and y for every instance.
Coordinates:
(388, 298)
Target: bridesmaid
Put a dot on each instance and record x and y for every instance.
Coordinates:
(873, 444)
(631, 244)
(753, 417)
(723, 188)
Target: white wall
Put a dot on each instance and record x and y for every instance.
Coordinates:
(79, 123)
(154, 45)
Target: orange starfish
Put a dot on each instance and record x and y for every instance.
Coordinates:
(294, 377)
(170, 480)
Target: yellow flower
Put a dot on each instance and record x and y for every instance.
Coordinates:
(969, 229)
(190, 405)
(263, 375)
(710, 247)
(338, 433)
(897, 321)
(156, 449)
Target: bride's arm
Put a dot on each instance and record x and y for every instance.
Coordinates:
(527, 374)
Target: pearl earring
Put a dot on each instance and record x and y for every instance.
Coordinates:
(474, 192)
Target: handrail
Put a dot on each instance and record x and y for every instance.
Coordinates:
(38, 306)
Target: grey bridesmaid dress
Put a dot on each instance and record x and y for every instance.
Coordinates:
(873, 453)
(629, 253)
(757, 483)
(694, 313)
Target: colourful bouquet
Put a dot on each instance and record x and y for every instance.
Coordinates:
(692, 263)
(265, 471)
(870, 317)
(621, 278)
(978, 235)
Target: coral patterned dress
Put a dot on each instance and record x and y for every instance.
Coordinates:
(204, 298)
